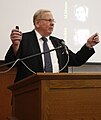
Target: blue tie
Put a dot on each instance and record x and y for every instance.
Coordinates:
(47, 58)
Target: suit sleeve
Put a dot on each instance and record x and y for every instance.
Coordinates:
(10, 56)
(81, 56)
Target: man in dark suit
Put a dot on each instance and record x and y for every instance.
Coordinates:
(31, 43)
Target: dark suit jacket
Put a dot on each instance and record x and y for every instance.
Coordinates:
(29, 46)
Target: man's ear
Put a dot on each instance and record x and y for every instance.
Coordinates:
(37, 23)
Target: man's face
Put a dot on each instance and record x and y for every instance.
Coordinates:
(45, 24)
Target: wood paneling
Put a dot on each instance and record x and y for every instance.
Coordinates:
(6, 79)
(63, 96)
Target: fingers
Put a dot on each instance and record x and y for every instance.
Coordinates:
(93, 40)
(16, 35)
(96, 38)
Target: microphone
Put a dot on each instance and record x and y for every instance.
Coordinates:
(64, 46)
(65, 50)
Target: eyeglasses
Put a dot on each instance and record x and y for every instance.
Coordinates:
(50, 20)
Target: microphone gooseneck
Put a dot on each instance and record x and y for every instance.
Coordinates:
(64, 46)
(25, 58)
(66, 51)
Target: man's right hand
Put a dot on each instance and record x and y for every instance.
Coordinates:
(16, 37)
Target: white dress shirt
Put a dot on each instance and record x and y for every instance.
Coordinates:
(53, 54)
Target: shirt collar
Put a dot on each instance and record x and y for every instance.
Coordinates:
(39, 36)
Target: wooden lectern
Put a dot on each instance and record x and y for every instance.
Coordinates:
(58, 96)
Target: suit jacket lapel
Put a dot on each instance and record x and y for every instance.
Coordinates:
(36, 47)
(54, 42)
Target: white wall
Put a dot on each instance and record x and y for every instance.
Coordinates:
(76, 20)
(88, 67)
